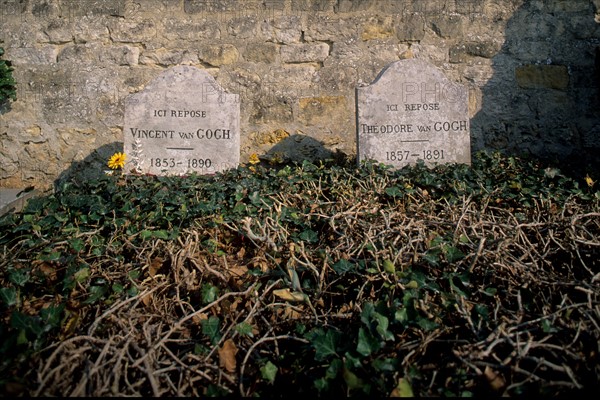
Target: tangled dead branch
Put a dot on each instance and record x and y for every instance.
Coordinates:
(339, 284)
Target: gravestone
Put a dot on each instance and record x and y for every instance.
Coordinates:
(182, 122)
(413, 112)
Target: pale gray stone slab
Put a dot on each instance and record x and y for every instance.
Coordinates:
(182, 122)
(413, 112)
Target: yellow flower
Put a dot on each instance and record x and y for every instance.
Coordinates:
(254, 159)
(117, 161)
(589, 181)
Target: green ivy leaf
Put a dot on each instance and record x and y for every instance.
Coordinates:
(28, 323)
(367, 344)
(82, 275)
(403, 389)
(210, 327)
(8, 296)
(52, 256)
(382, 326)
(426, 324)
(343, 266)
(309, 236)
(394, 191)
(77, 244)
(268, 372)
(432, 257)
(453, 254)
(52, 315)
(209, 293)
(353, 381)
(244, 328)
(96, 293)
(325, 344)
(19, 276)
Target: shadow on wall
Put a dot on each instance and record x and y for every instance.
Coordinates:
(5, 107)
(297, 148)
(543, 99)
(91, 167)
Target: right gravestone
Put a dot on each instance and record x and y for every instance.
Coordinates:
(412, 112)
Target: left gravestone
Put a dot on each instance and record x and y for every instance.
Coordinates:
(182, 122)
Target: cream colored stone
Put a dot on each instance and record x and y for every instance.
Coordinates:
(218, 55)
(377, 29)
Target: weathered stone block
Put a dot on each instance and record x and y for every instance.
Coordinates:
(132, 31)
(411, 29)
(90, 29)
(286, 29)
(542, 76)
(311, 5)
(218, 55)
(531, 51)
(448, 27)
(336, 30)
(462, 52)
(59, 31)
(299, 77)
(377, 28)
(344, 6)
(435, 54)
(269, 137)
(192, 30)
(261, 52)
(319, 110)
(242, 28)
(582, 28)
(570, 6)
(271, 108)
(300, 53)
(121, 55)
(31, 55)
(203, 6)
(337, 76)
(166, 57)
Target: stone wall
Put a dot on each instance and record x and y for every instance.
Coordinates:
(530, 66)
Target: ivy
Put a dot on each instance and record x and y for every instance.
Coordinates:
(8, 90)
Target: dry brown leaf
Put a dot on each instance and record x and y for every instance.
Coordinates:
(495, 379)
(199, 317)
(49, 271)
(346, 308)
(155, 265)
(291, 313)
(227, 356)
(147, 299)
(242, 252)
(238, 270)
(285, 294)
